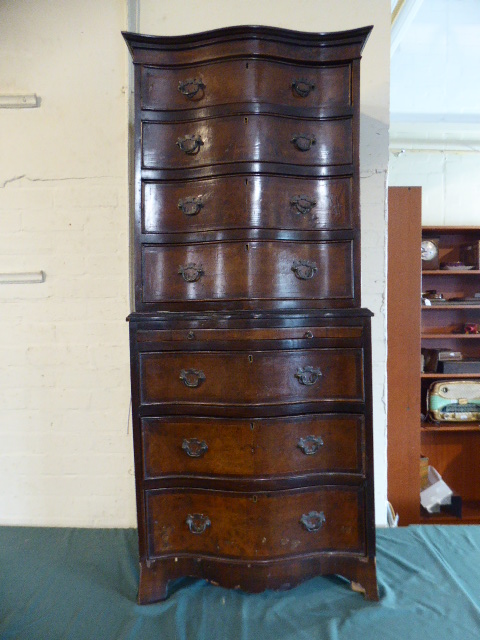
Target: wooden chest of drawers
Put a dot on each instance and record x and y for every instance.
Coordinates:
(250, 354)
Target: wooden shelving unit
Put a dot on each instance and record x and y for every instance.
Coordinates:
(453, 448)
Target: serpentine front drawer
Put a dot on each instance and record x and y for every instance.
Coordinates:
(257, 525)
(247, 202)
(252, 270)
(264, 448)
(233, 139)
(247, 378)
(253, 80)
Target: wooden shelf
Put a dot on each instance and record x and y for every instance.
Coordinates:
(470, 515)
(445, 376)
(449, 336)
(450, 427)
(449, 306)
(449, 230)
(450, 272)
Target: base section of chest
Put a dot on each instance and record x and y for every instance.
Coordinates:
(253, 449)
(255, 541)
(256, 576)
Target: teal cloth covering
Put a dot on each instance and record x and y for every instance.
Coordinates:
(81, 584)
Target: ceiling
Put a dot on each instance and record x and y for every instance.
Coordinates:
(435, 74)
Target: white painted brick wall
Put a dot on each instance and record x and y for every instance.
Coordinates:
(66, 448)
(66, 455)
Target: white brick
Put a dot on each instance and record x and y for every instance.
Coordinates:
(119, 397)
(12, 377)
(85, 196)
(26, 243)
(108, 264)
(64, 264)
(74, 243)
(53, 220)
(90, 286)
(56, 310)
(30, 462)
(10, 221)
(88, 378)
(15, 398)
(24, 293)
(23, 422)
(75, 420)
(17, 197)
(13, 333)
(55, 355)
(56, 399)
(111, 332)
(109, 308)
(119, 354)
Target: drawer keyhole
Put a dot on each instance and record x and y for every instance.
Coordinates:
(250, 358)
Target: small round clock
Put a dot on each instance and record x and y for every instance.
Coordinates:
(430, 253)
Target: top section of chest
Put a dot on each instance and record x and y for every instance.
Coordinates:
(229, 69)
(246, 168)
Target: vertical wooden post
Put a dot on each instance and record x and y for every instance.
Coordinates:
(403, 360)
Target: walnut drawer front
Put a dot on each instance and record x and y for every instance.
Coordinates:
(228, 139)
(298, 445)
(255, 526)
(246, 378)
(247, 80)
(248, 271)
(236, 202)
(235, 336)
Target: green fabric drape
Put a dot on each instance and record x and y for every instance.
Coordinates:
(80, 584)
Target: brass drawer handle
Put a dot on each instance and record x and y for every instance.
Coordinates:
(302, 204)
(190, 87)
(304, 270)
(198, 523)
(308, 376)
(313, 521)
(190, 144)
(194, 448)
(310, 445)
(191, 206)
(303, 142)
(302, 87)
(192, 378)
(191, 272)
